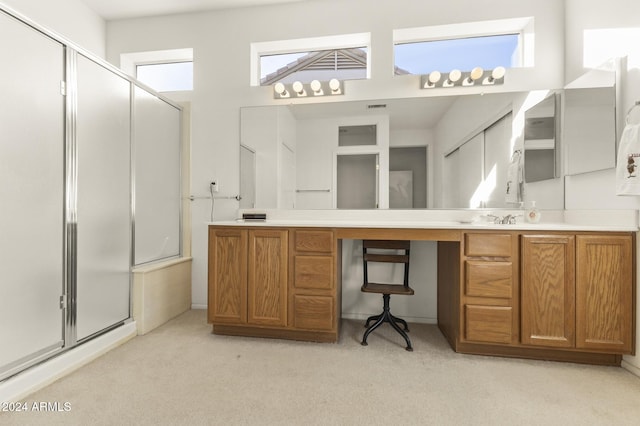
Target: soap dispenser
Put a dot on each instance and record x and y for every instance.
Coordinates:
(533, 214)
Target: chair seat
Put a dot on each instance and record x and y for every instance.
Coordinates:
(387, 289)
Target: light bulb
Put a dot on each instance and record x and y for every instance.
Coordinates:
(434, 77)
(431, 80)
(298, 88)
(316, 86)
(498, 73)
(280, 89)
(454, 76)
(476, 73)
(334, 84)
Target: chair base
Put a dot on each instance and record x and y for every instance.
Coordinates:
(386, 316)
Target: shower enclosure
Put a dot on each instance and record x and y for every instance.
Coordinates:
(69, 175)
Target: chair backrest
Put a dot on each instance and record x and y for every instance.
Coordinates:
(389, 251)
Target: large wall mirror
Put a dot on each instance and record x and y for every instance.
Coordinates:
(430, 152)
(427, 152)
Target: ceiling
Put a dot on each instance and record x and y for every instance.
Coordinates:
(124, 9)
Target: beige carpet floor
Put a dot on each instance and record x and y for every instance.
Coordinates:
(181, 374)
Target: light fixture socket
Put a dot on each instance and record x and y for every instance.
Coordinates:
(476, 76)
(313, 89)
(298, 88)
(453, 78)
(316, 88)
(280, 91)
(336, 86)
(430, 81)
(496, 76)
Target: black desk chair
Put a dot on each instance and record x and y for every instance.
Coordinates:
(391, 255)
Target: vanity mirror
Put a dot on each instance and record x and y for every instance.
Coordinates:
(589, 120)
(541, 140)
(414, 151)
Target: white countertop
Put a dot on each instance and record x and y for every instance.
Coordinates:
(565, 220)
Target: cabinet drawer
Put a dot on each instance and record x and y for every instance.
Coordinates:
(313, 272)
(488, 279)
(495, 245)
(314, 241)
(490, 324)
(313, 312)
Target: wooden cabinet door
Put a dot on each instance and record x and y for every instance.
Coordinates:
(267, 277)
(604, 293)
(227, 276)
(548, 290)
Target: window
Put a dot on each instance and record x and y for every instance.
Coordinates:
(167, 77)
(345, 57)
(162, 70)
(357, 135)
(486, 44)
(487, 52)
(323, 65)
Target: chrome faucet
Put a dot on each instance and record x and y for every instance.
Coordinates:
(505, 220)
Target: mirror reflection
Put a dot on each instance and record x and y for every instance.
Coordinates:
(430, 152)
(590, 105)
(540, 140)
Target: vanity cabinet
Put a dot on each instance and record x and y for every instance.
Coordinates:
(548, 290)
(248, 277)
(566, 296)
(314, 302)
(577, 292)
(556, 295)
(274, 282)
(489, 292)
(604, 293)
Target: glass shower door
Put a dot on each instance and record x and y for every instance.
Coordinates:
(104, 198)
(32, 195)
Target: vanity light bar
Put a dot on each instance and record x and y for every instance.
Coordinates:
(303, 90)
(476, 76)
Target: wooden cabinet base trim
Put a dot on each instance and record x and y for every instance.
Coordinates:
(275, 333)
(540, 354)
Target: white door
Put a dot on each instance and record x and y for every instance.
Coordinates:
(247, 178)
(470, 173)
(357, 181)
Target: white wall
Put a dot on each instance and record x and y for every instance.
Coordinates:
(221, 43)
(71, 19)
(594, 34)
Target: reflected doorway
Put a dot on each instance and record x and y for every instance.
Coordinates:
(247, 178)
(408, 177)
(357, 181)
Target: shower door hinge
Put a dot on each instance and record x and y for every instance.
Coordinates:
(63, 301)
(63, 88)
